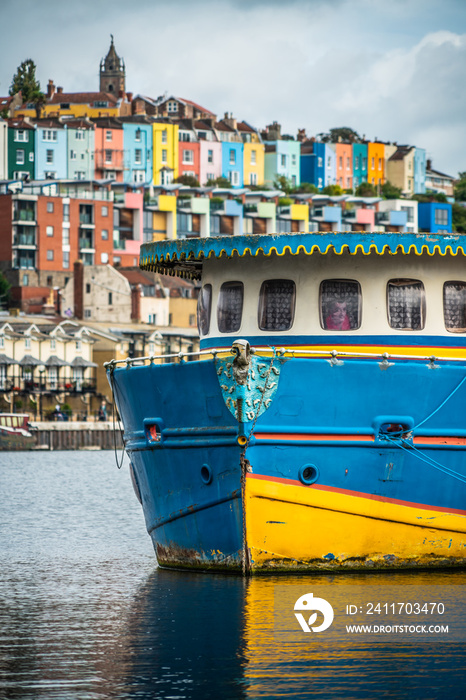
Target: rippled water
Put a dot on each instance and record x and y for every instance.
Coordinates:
(85, 613)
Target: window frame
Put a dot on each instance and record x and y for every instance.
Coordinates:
(261, 308)
(221, 322)
(406, 281)
(323, 314)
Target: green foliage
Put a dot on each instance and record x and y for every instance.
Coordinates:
(283, 183)
(25, 81)
(332, 190)
(219, 182)
(305, 188)
(459, 218)
(389, 191)
(188, 180)
(342, 134)
(430, 197)
(5, 288)
(366, 189)
(284, 201)
(460, 188)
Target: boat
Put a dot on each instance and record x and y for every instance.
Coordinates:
(321, 425)
(15, 432)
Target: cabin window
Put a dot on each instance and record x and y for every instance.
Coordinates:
(204, 305)
(340, 305)
(454, 306)
(406, 304)
(230, 307)
(276, 305)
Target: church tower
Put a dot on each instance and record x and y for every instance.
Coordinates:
(112, 72)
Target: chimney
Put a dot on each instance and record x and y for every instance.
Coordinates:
(136, 303)
(230, 120)
(428, 164)
(50, 89)
(78, 289)
(59, 90)
(129, 96)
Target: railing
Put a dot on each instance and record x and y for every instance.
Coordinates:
(24, 215)
(85, 242)
(66, 386)
(24, 239)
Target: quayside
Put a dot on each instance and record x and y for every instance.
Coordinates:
(321, 425)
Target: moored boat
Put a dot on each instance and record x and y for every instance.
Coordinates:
(321, 426)
(15, 432)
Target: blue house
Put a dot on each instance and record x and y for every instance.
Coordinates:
(359, 164)
(51, 150)
(137, 145)
(419, 170)
(434, 217)
(232, 162)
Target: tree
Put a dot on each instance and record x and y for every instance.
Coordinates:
(188, 180)
(283, 183)
(332, 190)
(25, 81)
(5, 287)
(459, 218)
(366, 189)
(306, 188)
(460, 188)
(389, 191)
(342, 134)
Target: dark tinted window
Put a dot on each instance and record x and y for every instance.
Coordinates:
(276, 305)
(340, 305)
(454, 306)
(406, 304)
(230, 307)
(204, 305)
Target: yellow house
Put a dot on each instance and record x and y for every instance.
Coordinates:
(160, 214)
(375, 163)
(165, 151)
(78, 104)
(253, 155)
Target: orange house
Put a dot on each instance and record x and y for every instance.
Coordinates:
(344, 165)
(375, 163)
(188, 159)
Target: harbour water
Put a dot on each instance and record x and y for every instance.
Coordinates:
(86, 615)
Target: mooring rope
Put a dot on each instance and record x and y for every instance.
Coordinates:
(411, 449)
(113, 388)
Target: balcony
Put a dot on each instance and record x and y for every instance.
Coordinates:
(26, 215)
(86, 243)
(24, 239)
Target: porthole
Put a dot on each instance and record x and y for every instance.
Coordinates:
(206, 474)
(308, 474)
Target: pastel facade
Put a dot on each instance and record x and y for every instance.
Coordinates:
(80, 149)
(232, 162)
(189, 159)
(137, 139)
(359, 164)
(419, 170)
(51, 150)
(210, 161)
(435, 217)
(21, 149)
(344, 165)
(165, 154)
(375, 163)
(109, 150)
(400, 169)
(282, 158)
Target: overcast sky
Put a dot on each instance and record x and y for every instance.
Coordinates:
(391, 69)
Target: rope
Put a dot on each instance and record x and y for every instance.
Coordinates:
(113, 387)
(428, 460)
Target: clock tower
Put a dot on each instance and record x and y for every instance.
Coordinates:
(112, 72)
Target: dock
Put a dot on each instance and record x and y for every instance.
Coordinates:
(76, 435)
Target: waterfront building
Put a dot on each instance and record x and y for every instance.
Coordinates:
(78, 104)
(282, 157)
(175, 108)
(127, 224)
(325, 212)
(188, 150)
(21, 149)
(317, 163)
(260, 211)
(359, 213)
(398, 213)
(165, 151)
(192, 215)
(160, 213)
(375, 163)
(210, 151)
(439, 182)
(226, 214)
(137, 147)
(109, 149)
(344, 165)
(232, 150)
(359, 164)
(3, 149)
(50, 149)
(80, 149)
(253, 154)
(435, 217)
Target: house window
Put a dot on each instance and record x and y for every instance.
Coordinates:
(72, 155)
(329, 161)
(364, 163)
(406, 304)
(164, 136)
(320, 163)
(110, 298)
(253, 158)
(50, 254)
(53, 344)
(104, 234)
(104, 258)
(372, 163)
(108, 155)
(164, 155)
(204, 306)
(441, 217)
(49, 155)
(78, 346)
(137, 135)
(49, 135)
(454, 306)
(356, 162)
(172, 106)
(87, 313)
(410, 213)
(49, 230)
(79, 135)
(253, 178)
(100, 103)
(31, 157)
(138, 156)
(276, 305)
(66, 259)
(27, 343)
(104, 211)
(66, 212)
(20, 156)
(230, 307)
(293, 160)
(340, 162)
(21, 135)
(108, 135)
(210, 156)
(188, 156)
(283, 161)
(340, 305)
(88, 288)
(2, 342)
(233, 176)
(380, 163)
(232, 156)
(50, 207)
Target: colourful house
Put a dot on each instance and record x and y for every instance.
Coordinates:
(137, 141)
(282, 158)
(359, 164)
(21, 149)
(435, 217)
(344, 165)
(375, 163)
(78, 104)
(51, 150)
(165, 151)
(109, 149)
(253, 154)
(80, 149)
